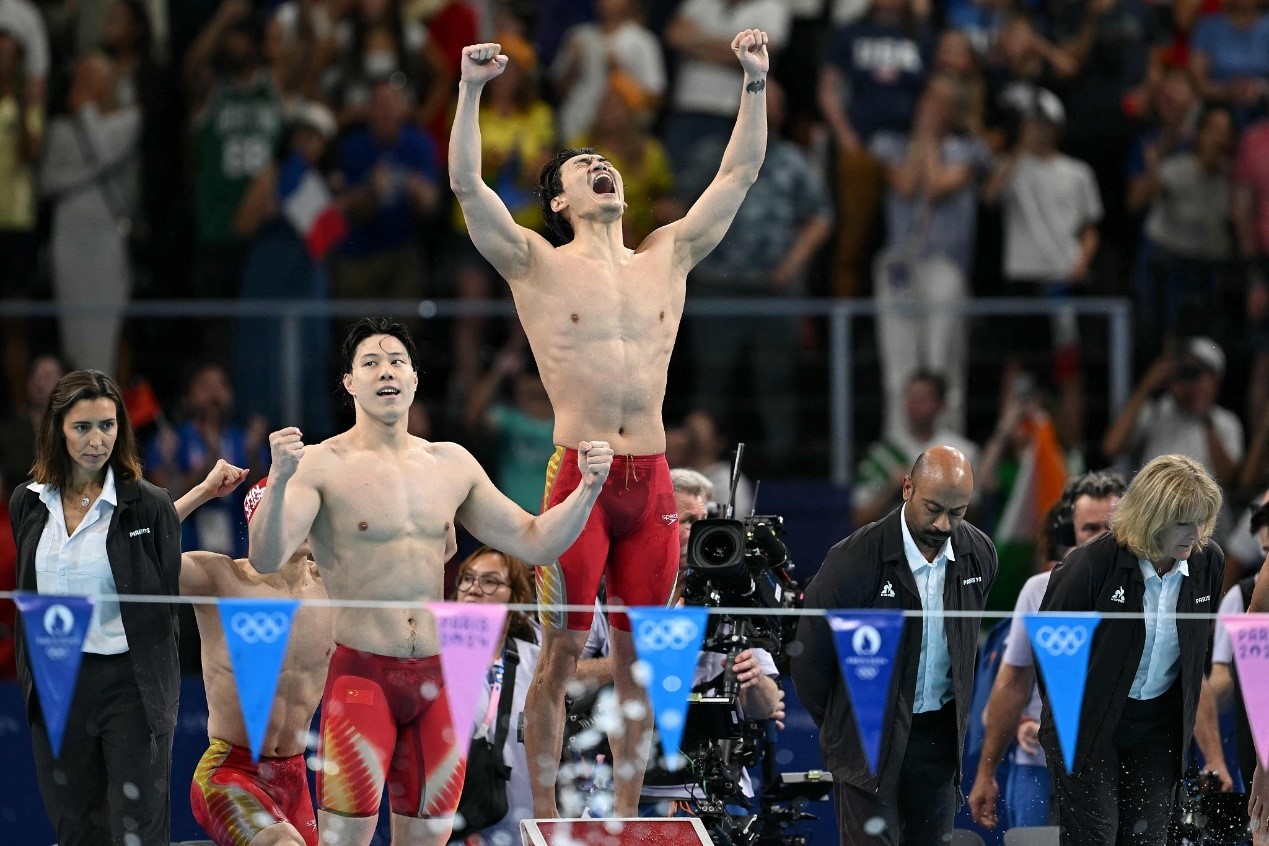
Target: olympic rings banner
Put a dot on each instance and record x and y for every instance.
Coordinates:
(55, 628)
(469, 633)
(1249, 634)
(1061, 645)
(668, 641)
(256, 634)
(866, 644)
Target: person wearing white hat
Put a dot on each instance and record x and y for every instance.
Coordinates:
(1185, 418)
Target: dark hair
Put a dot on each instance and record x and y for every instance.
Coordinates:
(368, 327)
(1208, 111)
(520, 576)
(52, 460)
(551, 185)
(934, 380)
(1060, 521)
(1259, 518)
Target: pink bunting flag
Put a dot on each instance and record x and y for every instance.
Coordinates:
(1249, 634)
(469, 634)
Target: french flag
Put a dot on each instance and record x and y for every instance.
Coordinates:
(308, 206)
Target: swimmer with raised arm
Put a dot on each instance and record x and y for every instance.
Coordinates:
(379, 507)
(601, 319)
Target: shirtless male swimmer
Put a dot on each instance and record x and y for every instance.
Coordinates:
(379, 508)
(239, 802)
(601, 320)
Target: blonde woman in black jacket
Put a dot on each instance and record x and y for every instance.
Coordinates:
(1144, 675)
(89, 524)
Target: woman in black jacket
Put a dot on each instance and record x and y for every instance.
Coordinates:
(1144, 672)
(89, 524)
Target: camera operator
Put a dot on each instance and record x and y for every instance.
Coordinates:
(923, 556)
(673, 793)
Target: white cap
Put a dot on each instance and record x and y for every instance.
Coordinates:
(315, 116)
(1207, 353)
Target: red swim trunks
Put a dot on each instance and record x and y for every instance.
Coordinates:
(234, 799)
(632, 534)
(386, 721)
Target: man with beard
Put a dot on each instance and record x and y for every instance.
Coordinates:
(921, 557)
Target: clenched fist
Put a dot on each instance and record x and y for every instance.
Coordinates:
(286, 446)
(750, 46)
(594, 460)
(482, 62)
(223, 478)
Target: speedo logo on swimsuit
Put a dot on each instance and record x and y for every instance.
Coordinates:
(138, 532)
(670, 519)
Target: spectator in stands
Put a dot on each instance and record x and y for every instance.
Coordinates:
(8, 581)
(21, 19)
(292, 219)
(18, 429)
(1051, 210)
(980, 21)
(523, 429)
(708, 455)
(1185, 419)
(620, 133)
(954, 56)
(931, 203)
(1170, 130)
(1187, 230)
(21, 138)
(1251, 221)
(376, 42)
(878, 482)
(708, 82)
(1229, 56)
(784, 220)
(181, 458)
(1022, 61)
(238, 123)
(517, 135)
(289, 50)
(1117, 47)
(874, 72)
(616, 41)
(390, 171)
(89, 172)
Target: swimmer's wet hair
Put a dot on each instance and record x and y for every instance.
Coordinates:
(551, 185)
(368, 327)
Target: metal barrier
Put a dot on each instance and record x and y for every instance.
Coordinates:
(841, 315)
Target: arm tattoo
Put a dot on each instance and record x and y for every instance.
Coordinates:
(757, 86)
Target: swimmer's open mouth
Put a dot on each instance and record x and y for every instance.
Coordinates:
(388, 392)
(604, 184)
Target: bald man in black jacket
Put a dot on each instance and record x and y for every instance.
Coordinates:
(901, 562)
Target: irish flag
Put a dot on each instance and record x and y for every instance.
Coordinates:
(1041, 476)
(308, 206)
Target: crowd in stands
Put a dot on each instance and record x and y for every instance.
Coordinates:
(920, 153)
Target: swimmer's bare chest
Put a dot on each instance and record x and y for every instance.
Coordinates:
(387, 526)
(602, 336)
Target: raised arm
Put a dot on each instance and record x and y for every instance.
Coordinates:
(503, 525)
(502, 241)
(705, 224)
(286, 513)
(221, 481)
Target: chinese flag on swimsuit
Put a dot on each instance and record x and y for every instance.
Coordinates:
(469, 633)
(1249, 634)
(308, 206)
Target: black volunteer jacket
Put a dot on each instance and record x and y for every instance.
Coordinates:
(1104, 576)
(144, 548)
(854, 575)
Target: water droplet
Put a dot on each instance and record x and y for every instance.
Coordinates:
(60, 778)
(875, 826)
(131, 791)
(784, 756)
(314, 762)
(672, 683)
(429, 690)
(131, 840)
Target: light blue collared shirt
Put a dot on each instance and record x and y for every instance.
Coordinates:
(1161, 658)
(934, 672)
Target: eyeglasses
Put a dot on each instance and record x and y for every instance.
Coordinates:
(488, 584)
